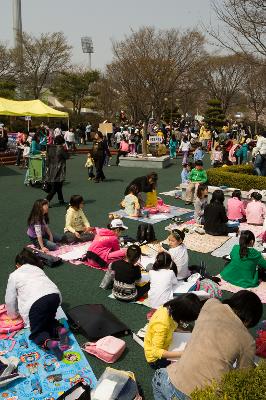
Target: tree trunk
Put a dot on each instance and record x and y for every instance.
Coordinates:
(144, 139)
(256, 123)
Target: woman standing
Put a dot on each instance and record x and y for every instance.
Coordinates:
(56, 169)
(98, 154)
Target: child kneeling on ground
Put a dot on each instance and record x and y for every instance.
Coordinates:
(33, 296)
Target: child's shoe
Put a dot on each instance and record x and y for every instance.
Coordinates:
(63, 338)
(53, 346)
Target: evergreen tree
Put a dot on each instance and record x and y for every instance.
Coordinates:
(214, 116)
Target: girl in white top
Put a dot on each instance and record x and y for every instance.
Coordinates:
(162, 281)
(33, 296)
(178, 253)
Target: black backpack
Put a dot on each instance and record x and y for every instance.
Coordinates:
(146, 233)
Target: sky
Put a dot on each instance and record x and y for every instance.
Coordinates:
(102, 20)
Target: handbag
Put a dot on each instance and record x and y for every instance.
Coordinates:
(47, 259)
(46, 187)
(107, 349)
(77, 392)
(108, 280)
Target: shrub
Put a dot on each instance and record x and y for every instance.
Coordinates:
(235, 176)
(244, 384)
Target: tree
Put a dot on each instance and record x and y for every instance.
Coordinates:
(7, 89)
(214, 116)
(254, 88)
(76, 86)
(245, 25)
(6, 63)
(42, 58)
(147, 67)
(108, 99)
(223, 76)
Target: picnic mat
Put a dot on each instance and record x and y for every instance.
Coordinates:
(45, 377)
(173, 193)
(257, 230)
(226, 248)
(260, 290)
(155, 218)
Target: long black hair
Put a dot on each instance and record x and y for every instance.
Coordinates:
(36, 215)
(163, 261)
(245, 239)
(217, 197)
(201, 188)
(185, 308)
(237, 193)
(178, 234)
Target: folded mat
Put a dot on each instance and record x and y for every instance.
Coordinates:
(46, 378)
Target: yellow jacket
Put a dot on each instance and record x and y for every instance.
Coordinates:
(75, 220)
(159, 334)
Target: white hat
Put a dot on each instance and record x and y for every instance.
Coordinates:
(117, 223)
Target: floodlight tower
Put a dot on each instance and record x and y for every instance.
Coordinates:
(87, 47)
(17, 24)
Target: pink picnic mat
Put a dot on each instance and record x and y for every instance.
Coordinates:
(68, 249)
(260, 290)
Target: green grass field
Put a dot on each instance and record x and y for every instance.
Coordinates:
(80, 284)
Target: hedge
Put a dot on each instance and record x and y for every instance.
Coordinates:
(240, 177)
(240, 384)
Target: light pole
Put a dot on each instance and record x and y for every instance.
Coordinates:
(87, 47)
(17, 26)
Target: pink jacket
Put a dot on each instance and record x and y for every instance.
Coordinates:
(124, 146)
(235, 209)
(255, 212)
(105, 242)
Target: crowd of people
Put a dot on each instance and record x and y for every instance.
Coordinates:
(31, 294)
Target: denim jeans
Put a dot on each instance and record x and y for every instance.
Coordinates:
(163, 388)
(47, 243)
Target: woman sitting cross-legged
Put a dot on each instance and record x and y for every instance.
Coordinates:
(33, 296)
(38, 230)
(215, 218)
(126, 274)
(242, 270)
(77, 228)
(163, 323)
(105, 247)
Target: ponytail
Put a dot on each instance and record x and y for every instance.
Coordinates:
(246, 238)
(163, 261)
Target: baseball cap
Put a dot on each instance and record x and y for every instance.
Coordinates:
(117, 223)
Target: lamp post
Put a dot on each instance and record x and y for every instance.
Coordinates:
(87, 47)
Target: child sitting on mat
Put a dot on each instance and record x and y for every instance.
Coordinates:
(33, 296)
(105, 247)
(185, 308)
(235, 207)
(77, 228)
(162, 281)
(131, 202)
(38, 229)
(178, 253)
(126, 274)
(256, 210)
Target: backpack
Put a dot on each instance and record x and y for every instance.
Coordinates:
(210, 287)
(107, 349)
(8, 325)
(146, 233)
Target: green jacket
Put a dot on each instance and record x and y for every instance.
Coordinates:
(243, 272)
(197, 175)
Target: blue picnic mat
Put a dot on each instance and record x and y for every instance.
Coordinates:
(45, 377)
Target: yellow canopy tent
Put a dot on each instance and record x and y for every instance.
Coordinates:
(33, 108)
